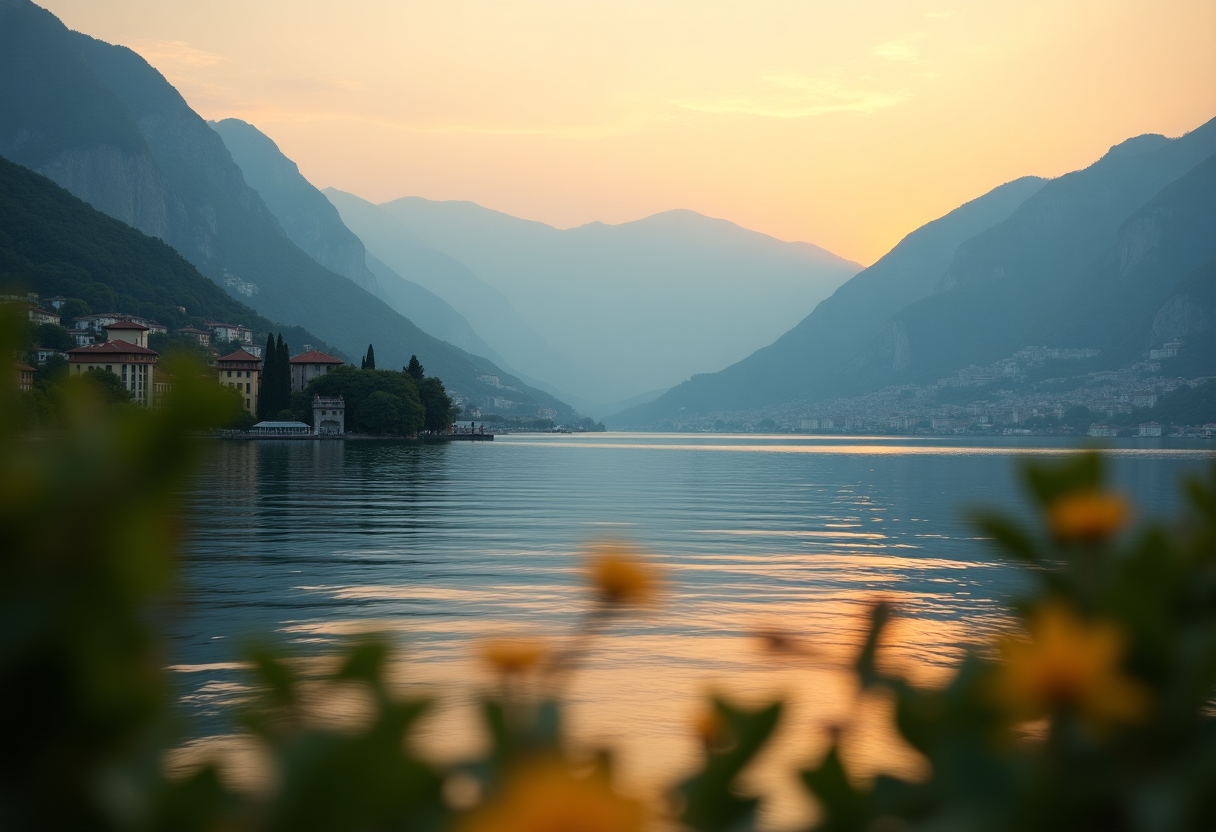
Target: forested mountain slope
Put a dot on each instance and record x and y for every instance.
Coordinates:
(54, 244)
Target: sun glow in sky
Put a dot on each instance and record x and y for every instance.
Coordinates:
(845, 124)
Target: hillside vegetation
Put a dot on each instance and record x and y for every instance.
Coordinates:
(54, 244)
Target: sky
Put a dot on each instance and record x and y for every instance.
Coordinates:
(844, 124)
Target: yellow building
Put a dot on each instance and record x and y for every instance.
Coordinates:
(25, 376)
(244, 372)
(134, 365)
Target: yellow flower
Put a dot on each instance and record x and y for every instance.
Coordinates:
(1068, 664)
(620, 574)
(512, 655)
(1087, 516)
(710, 727)
(547, 797)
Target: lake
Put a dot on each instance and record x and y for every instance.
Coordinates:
(441, 545)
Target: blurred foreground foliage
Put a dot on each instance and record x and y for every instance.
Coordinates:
(1094, 712)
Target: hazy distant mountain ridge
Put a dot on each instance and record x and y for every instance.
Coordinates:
(806, 360)
(638, 305)
(488, 310)
(312, 222)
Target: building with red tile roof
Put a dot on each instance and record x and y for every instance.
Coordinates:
(130, 331)
(134, 365)
(307, 366)
(201, 335)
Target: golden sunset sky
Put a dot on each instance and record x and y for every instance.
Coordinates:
(845, 124)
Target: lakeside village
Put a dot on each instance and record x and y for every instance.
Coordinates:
(308, 395)
(1036, 391)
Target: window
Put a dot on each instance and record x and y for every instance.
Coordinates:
(247, 390)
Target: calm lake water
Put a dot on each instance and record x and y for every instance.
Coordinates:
(442, 545)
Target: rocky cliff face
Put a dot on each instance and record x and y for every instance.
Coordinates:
(1182, 315)
(124, 184)
(308, 218)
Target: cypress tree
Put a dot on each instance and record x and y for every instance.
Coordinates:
(283, 374)
(269, 365)
(369, 361)
(415, 369)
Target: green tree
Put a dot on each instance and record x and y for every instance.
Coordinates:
(53, 336)
(74, 308)
(1079, 417)
(369, 360)
(440, 411)
(282, 378)
(1187, 405)
(381, 413)
(356, 387)
(108, 386)
(53, 372)
(415, 369)
(270, 367)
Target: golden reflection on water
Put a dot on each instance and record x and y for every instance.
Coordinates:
(440, 548)
(639, 691)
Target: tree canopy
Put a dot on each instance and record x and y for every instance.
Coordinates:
(398, 412)
(415, 368)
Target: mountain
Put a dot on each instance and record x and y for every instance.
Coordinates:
(101, 122)
(1029, 280)
(635, 306)
(489, 311)
(306, 215)
(808, 357)
(55, 244)
(1025, 267)
(313, 223)
(1156, 283)
(432, 313)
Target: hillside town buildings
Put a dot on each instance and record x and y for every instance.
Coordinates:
(1029, 392)
(201, 335)
(38, 316)
(230, 332)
